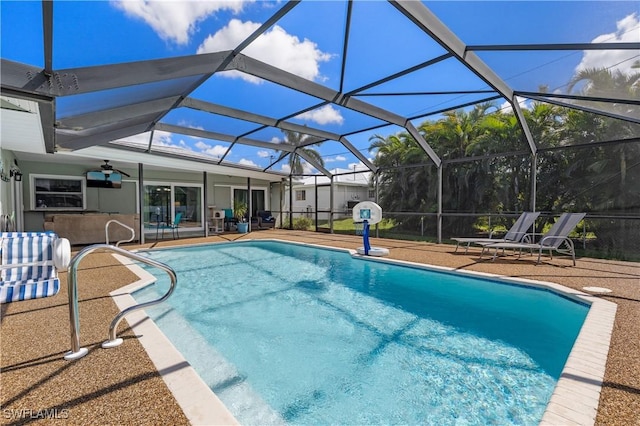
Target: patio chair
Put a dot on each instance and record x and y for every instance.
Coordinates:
(173, 226)
(30, 265)
(556, 239)
(515, 234)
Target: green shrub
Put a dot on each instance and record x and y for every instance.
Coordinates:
(302, 223)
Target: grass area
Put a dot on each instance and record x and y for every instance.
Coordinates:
(387, 229)
(346, 225)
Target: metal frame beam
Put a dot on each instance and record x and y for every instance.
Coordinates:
(579, 97)
(262, 70)
(523, 125)
(345, 44)
(114, 115)
(268, 121)
(358, 154)
(74, 81)
(47, 34)
(584, 108)
(71, 140)
(313, 163)
(223, 137)
(429, 23)
(420, 15)
(555, 46)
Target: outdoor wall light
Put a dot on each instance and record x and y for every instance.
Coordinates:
(16, 174)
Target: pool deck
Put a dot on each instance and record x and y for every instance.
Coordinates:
(124, 385)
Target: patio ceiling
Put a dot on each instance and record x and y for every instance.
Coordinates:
(130, 105)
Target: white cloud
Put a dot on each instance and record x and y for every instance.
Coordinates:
(306, 168)
(357, 166)
(263, 154)
(184, 123)
(140, 138)
(176, 21)
(276, 139)
(325, 115)
(213, 150)
(161, 138)
(334, 159)
(275, 47)
(202, 146)
(627, 30)
(506, 107)
(246, 162)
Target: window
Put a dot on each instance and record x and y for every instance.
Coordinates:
(50, 192)
(372, 194)
(301, 195)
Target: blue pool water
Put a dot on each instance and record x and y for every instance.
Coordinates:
(286, 333)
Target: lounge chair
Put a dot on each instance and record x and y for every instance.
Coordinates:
(30, 264)
(515, 234)
(554, 239)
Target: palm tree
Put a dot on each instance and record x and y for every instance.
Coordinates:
(606, 177)
(605, 83)
(301, 142)
(402, 188)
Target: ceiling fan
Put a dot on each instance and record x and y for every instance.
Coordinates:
(107, 169)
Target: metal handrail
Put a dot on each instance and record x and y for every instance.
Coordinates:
(106, 231)
(72, 284)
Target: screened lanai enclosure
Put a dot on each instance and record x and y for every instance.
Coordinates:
(460, 115)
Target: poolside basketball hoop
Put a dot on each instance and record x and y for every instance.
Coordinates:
(367, 213)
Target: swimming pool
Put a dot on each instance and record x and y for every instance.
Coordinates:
(287, 333)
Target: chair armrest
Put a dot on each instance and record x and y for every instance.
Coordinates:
(26, 264)
(558, 238)
(530, 237)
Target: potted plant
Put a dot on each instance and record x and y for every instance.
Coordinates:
(240, 212)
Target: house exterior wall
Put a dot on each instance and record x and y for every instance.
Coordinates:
(6, 201)
(123, 200)
(342, 193)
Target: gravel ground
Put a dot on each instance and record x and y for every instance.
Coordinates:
(121, 386)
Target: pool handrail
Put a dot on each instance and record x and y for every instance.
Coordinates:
(106, 232)
(76, 351)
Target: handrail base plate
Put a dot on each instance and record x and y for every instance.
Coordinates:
(112, 343)
(72, 356)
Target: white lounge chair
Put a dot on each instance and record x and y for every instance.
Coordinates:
(515, 233)
(557, 238)
(30, 265)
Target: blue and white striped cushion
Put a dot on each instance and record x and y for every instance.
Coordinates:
(25, 290)
(25, 234)
(27, 250)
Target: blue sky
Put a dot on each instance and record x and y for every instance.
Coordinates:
(308, 42)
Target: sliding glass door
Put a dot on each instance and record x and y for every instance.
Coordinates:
(257, 199)
(164, 202)
(188, 202)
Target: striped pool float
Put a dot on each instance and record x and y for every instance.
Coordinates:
(27, 270)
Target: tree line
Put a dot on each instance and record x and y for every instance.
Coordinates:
(586, 162)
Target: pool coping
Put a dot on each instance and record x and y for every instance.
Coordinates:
(196, 399)
(575, 398)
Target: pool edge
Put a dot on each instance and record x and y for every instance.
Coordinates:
(198, 402)
(576, 396)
